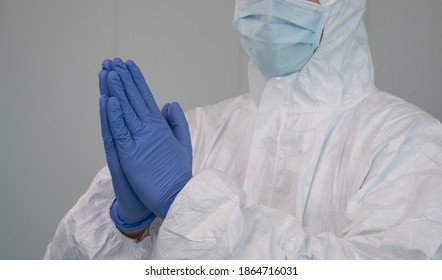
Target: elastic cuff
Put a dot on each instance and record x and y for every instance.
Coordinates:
(123, 225)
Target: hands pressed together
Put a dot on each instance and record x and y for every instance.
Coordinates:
(148, 151)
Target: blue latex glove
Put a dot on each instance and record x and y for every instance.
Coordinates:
(127, 212)
(155, 153)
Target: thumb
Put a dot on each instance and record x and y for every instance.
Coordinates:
(174, 115)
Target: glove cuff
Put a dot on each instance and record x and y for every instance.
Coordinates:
(125, 225)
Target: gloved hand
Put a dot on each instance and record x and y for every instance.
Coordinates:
(127, 212)
(155, 157)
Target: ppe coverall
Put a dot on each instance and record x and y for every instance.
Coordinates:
(319, 164)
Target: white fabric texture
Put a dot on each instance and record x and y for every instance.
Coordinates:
(316, 165)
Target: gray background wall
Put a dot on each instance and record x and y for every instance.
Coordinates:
(50, 54)
(406, 44)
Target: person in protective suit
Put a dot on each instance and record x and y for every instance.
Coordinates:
(314, 163)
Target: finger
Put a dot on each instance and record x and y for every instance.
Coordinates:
(106, 65)
(142, 86)
(178, 124)
(102, 83)
(106, 132)
(116, 90)
(120, 132)
(109, 143)
(132, 93)
(164, 112)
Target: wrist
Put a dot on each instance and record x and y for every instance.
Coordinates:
(138, 234)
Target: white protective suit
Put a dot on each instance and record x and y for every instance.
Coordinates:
(318, 165)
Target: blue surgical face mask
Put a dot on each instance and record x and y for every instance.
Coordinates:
(280, 36)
